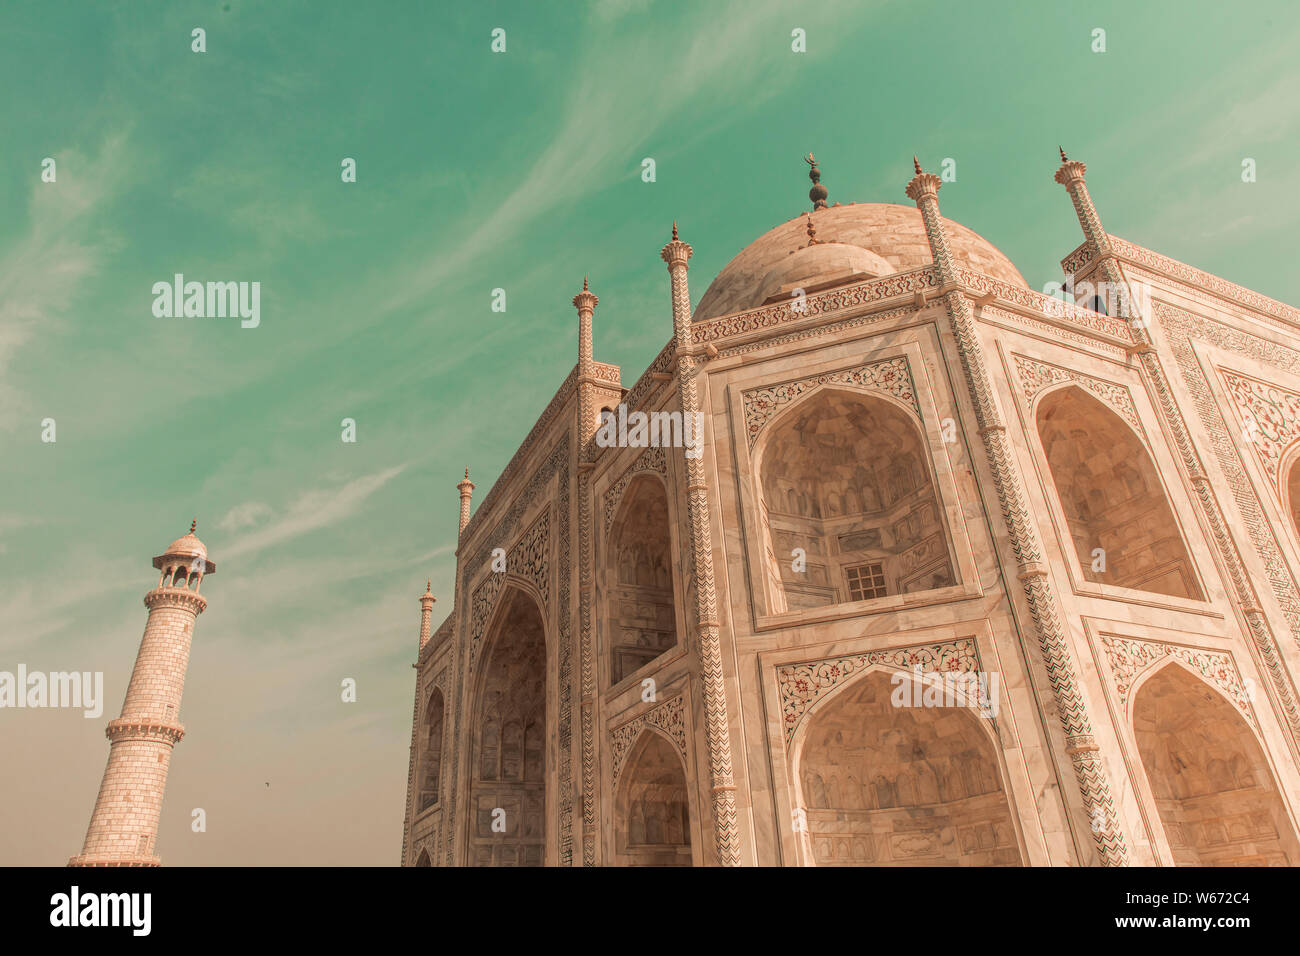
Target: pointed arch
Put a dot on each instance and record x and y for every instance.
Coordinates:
(640, 581)
(652, 805)
(423, 859)
(1119, 518)
(881, 784)
(849, 506)
(1289, 485)
(507, 816)
(431, 757)
(1214, 791)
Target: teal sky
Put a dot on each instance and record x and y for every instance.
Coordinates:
(476, 171)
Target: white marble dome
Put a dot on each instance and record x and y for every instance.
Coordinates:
(867, 240)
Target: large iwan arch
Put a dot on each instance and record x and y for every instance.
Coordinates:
(886, 785)
(849, 505)
(652, 806)
(1119, 519)
(1213, 789)
(507, 807)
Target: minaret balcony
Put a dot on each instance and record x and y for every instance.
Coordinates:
(144, 728)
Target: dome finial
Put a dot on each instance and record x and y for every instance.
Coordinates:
(675, 230)
(812, 230)
(916, 164)
(584, 284)
(467, 471)
(818, 193)
(1063, 156)
(194, 524)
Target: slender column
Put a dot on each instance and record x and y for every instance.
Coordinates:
(427, 600)
(585, 302)
(717, 730)
(466, 488)
(1081, 745)
(123, 827)
(447, 827)
(1070, 175)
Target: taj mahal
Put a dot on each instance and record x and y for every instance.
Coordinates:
(911, 466)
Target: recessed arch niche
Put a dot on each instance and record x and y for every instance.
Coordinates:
(1120, 521)
(1214, 792)
(652, 807)
(848, 503)
(640, 607)
(1291, 486)
(431, 758)
(886, 785)
(901, 786)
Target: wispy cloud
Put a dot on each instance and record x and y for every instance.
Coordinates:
(318, 508)
(246, 515)
(43, 273)
(612, 74)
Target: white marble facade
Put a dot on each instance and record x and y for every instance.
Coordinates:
(917, 474)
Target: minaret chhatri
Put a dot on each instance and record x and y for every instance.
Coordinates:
(124, 825)
(466, 491)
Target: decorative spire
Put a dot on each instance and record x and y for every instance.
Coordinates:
(818, 193)
(466, 489)
(586, 299)
(427, 601)
(194, 524)
(923, 183)
(676, 251)
(428, 587)
(1070, 172)
(812, 230)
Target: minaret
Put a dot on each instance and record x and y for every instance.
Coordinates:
(585, 302)
(588, 423)
(124, 825)
(426, 609)
(466, 491)
(1032, 569)
(717, 731)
